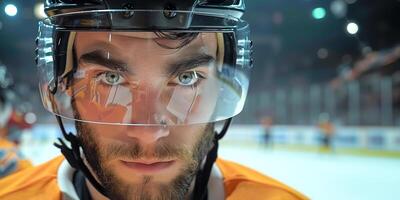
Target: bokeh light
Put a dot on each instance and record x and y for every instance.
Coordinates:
(39, 11)
(352, 28)
(319, 13)
(11, 10)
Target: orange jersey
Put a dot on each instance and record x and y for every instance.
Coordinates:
(242, 183)
(43, 183)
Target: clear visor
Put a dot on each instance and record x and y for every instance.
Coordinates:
(141, 78)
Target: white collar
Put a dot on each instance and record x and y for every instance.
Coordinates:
(216, 184)
(65, 181)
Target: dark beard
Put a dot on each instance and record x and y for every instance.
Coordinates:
(118, 190)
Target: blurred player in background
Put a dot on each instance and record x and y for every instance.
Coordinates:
(266, 123)
(327, 131)
(12, 123)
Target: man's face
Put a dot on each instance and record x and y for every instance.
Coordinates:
(141, 162)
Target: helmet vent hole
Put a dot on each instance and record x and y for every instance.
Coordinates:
(170, 10)
(129, 13)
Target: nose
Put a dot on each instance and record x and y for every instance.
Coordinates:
(144, 113)
(145, 104)
(147, 134)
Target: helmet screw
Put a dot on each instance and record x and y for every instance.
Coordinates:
(170, 11)
(130, 13)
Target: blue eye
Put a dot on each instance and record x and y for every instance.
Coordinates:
(111, 78)
(188, 78)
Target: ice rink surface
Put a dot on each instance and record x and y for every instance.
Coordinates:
(320, 176)
(324, 176)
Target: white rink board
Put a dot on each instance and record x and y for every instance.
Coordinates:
(379, 138)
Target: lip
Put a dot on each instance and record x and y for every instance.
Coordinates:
(148, 166)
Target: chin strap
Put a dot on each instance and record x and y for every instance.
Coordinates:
(73, 156)
(202, 177)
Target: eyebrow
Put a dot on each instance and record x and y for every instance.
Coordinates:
(189, 63)
(99, 57)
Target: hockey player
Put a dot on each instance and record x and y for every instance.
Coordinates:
(145, 82)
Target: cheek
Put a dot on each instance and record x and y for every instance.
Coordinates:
(104, 135)
(187, 135)
(107, 131)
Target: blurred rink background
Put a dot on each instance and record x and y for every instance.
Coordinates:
(323, 69)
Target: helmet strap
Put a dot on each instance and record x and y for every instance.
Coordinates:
(202, 177)
(73, 155)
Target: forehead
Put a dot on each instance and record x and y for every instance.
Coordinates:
(143, 41)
